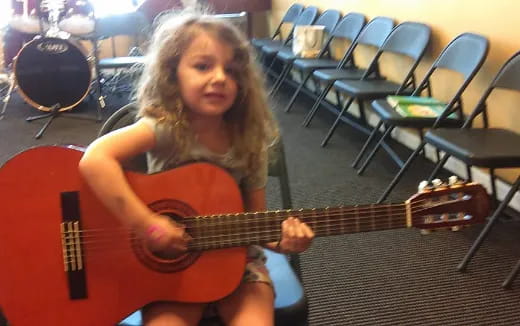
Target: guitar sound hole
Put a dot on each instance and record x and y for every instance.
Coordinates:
(170, 254)
(165, 261)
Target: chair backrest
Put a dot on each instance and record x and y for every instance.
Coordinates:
(374, 33)
(292, 13)
(349, 26)
(329, 19)
(307, 17)
(465, 54)
(290, 16)
(409, 39)
(508, 77)
(277, 162)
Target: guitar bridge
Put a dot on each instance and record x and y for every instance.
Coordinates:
(71, 243)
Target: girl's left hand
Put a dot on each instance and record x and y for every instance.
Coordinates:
(296, 236)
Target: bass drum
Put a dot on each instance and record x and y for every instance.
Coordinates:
(50, 71)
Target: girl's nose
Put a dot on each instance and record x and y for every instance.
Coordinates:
(219, 74)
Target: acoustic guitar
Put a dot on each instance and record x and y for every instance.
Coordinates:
(65, 260)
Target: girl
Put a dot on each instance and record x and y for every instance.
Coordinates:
(201, 98)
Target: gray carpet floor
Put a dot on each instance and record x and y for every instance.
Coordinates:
(396, 277)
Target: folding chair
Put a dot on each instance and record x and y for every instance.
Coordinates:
(132, 24)
(347, 29)
(373, 34)
(408, 39)
(486, 147)
(290, 302)
(307, 17)
(290, 16)
(464, 55)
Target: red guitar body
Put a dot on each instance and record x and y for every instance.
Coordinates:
(34, 286)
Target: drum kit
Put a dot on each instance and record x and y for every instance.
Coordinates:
(52, 72)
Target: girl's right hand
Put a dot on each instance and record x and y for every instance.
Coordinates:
(165, 235)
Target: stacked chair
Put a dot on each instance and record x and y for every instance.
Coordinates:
(290, 302)
(290, 16)
(373, 34)
(408, 39)
(268, 52)
(329, 19)
(464, 55)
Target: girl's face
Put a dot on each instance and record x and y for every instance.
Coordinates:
(205, 75)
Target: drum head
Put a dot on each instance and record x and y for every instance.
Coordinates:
(50, 71)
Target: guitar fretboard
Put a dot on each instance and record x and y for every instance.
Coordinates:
(233, 230)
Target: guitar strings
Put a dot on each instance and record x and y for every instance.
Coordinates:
(223, 241)
(245, 223)
(218, 242)
(257, 235)
(306, 213)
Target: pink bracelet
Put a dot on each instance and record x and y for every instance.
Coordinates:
(155, 232)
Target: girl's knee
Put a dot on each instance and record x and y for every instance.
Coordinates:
(172, 314)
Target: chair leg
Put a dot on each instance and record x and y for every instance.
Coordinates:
(375, 149)
(399, 174)
(476, 245)
(316, 106)
(367, 143)
(281, 78)
(270, 70)
(295, 95)
(274, 87)
(438, 166)
(335, 124)
(511, 277)
(492, 178)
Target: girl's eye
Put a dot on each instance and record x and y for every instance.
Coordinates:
(201, 66)
(232, 71)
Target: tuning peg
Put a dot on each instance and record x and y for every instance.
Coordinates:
(436, 183)
(454, 180)
(422, 185)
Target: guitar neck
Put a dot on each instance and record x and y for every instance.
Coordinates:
(234, 230)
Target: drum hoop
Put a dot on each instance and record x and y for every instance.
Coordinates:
(32, 103)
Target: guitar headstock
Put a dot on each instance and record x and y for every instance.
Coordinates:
(450, 204)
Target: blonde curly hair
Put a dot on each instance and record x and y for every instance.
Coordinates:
(252, 126)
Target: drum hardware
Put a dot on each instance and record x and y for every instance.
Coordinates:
(53, 75)
(7, 97)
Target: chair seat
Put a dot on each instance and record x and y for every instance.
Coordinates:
(492, 148)
(390, 116)
(272, 50)
(286, 55)
(312, 64)
(259, 43)
(290, 302)
(336, 74)
(120, 62)
(369, 89)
